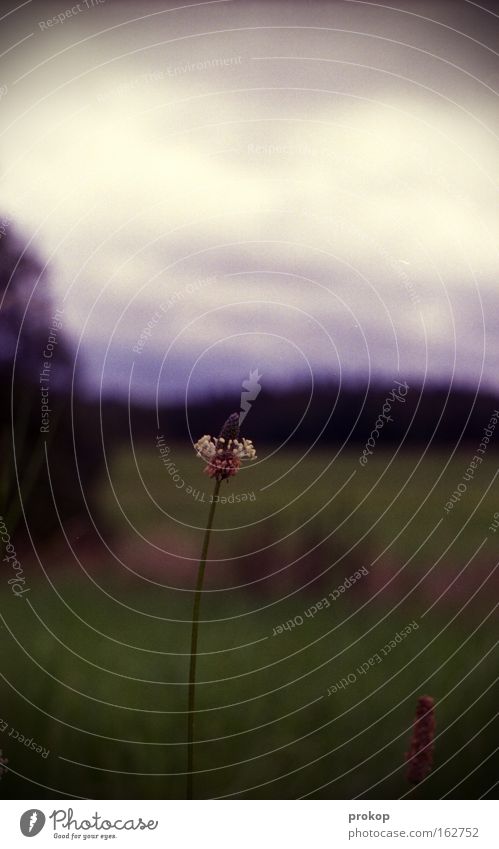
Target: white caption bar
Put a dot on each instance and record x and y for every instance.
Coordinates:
(250, 824)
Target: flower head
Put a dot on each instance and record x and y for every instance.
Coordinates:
(230, 429)
(420, 755)
(223, 454)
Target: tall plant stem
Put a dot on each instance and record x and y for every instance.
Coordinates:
(194, 642)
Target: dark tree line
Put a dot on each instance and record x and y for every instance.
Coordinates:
(35, 424)
(433, 416)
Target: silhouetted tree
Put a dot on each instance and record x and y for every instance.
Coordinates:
(35, 416)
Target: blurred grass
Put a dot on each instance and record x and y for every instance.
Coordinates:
(394, 503)
(319, 493)
(96, 672)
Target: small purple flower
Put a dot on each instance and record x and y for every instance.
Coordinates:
(420, 755)
(3, 764)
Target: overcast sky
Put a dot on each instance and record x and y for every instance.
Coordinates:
(304, 188)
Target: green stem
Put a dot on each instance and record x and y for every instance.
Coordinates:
(194, 641)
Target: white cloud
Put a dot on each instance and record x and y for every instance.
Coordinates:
(126, 198)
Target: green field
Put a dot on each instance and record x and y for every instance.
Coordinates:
(94, 661)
